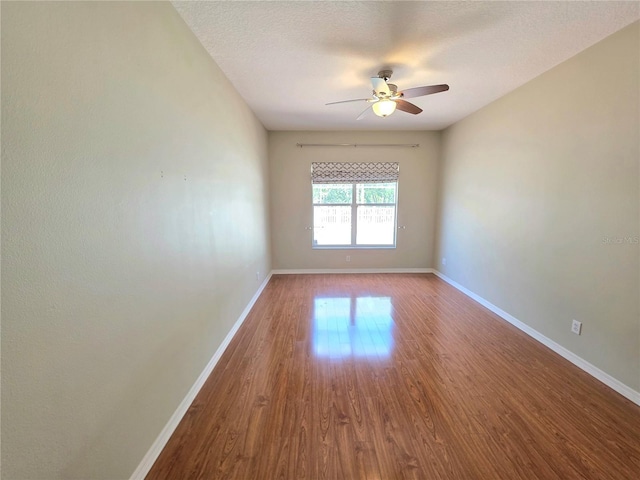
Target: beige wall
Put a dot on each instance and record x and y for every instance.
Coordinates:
(533, 185)
(291, 211)
(134, 193)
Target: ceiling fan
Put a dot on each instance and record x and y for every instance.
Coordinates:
(386, 97)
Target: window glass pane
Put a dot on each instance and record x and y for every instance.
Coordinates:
(332, 193)
(331, 225)
(376, 192)
(376, 225)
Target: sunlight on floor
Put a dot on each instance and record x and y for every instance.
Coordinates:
(352, 327)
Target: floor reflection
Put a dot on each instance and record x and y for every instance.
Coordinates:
(352, 327)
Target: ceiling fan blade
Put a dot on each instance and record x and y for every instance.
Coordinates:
(380, 87)
(420, 91)
(347, 101)
(362, 115)
(407, 107)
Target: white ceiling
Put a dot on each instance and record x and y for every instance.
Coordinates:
(287, 59)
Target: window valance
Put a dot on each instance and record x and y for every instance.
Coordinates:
(347, 172)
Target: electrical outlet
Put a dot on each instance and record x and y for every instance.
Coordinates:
(576, 327)
(348, 258)
(444, 261)
(258, 275)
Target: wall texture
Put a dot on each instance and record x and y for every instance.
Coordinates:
(291, 212)
(134, 193)
(539, 211)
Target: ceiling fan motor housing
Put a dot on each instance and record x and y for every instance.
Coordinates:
(386, 74)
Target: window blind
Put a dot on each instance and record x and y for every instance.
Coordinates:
(370, 172)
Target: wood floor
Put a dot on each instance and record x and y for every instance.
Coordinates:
(395, 376)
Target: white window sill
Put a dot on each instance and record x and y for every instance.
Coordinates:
(353, 247)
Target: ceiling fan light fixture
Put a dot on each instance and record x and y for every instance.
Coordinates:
(384, 107)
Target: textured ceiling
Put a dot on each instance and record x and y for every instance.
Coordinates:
(287, 59)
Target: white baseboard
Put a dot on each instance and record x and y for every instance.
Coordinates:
(351, 270)
(152, 454)
(592, 370)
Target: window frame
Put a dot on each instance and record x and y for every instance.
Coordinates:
(354, 218)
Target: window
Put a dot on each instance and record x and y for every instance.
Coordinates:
(358, 209)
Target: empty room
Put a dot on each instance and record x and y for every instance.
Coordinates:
(320, 240)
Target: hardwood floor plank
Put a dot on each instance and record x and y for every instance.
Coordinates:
(390, 377)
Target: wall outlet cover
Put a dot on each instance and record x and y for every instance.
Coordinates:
(576, 327)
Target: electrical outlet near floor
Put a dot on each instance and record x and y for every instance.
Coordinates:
(348, 258)
(576, 327)
(444, 261)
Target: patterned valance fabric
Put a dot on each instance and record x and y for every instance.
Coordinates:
(334, 172)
